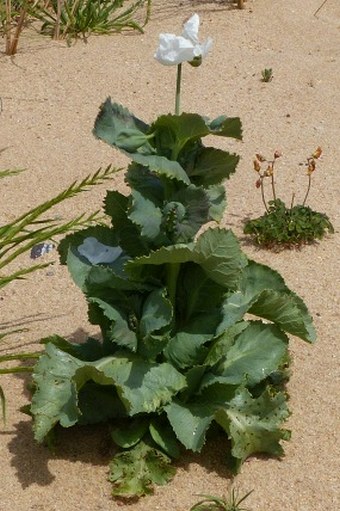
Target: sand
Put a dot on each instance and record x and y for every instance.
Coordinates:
(50, 97)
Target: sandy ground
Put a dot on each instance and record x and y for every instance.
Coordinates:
(50, 97)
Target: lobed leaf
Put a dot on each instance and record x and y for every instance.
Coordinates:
(133, 472)
(253, 424)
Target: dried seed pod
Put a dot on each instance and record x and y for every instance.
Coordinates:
(257, 166)
(260, 157)
(311, 166)
(317, 153)
(270, 170)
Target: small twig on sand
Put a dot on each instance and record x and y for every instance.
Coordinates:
(319, 8)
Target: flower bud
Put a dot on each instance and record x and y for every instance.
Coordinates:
(277, 154)
(258, 183)
(197, 61)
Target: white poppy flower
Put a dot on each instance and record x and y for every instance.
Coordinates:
(97, 252)
(174, 50)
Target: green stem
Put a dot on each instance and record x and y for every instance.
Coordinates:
(171, 283)
(262, 195)
(178, 89)
(273, 187)
(308, 189)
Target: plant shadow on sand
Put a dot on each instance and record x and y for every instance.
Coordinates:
(92, 445)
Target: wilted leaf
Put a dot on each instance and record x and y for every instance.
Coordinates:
(134, 472)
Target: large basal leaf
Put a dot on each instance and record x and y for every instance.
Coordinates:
(162, 434)
(257, 352)
(130, 432)
(157, 312)
(143, 386)
(212, 166)
(254, 425)
(116, 126)
(134, 472)
(55, 397)
(58, 377)
(218, 252)
(190, 422)
(98, 403)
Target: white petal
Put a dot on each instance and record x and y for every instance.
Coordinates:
(205, 47)
(97, 252)
(174, 50)
(190, 28)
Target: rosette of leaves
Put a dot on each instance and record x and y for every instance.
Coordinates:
(283, 227)
(194, 334)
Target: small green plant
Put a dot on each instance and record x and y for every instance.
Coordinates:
(267, 75)
(281, 226)
(73, 18)
(213, 503)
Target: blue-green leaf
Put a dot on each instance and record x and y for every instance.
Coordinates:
(120, 332)
(224, 126)
(146, 215)
(257, 352)
(253, 424)
(143, 386)
(157, 312)
(130, 433)
(162, 434)
(212, 166)
(161, 166)
(219, 254)
(116, 126)
(190, 422)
